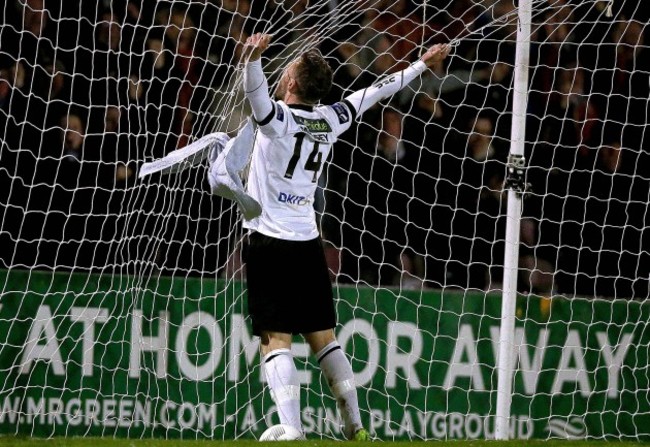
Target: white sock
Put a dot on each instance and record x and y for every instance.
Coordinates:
(282, 377)
(340, 378)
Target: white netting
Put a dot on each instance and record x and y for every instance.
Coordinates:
(412, 199)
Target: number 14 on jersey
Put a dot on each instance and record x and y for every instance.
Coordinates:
(314, 160)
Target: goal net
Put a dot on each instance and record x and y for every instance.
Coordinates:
(122, 300)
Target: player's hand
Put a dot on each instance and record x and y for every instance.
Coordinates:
(256, 45)
(435, 54)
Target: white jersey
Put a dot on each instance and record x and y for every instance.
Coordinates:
(291, 147)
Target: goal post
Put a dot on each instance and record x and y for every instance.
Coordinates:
(486, 229)
(515, 183)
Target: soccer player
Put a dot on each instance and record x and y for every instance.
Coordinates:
(289, 288)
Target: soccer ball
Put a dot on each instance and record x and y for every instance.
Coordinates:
(281, 432)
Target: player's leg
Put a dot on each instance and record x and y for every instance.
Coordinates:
(281, 376)
(340, 378)
(268, 304)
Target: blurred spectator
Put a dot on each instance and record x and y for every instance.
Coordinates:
(569, 129)
(69, 197)
(163, 81)
(400, 34)
(333, 259)
(19, 91)
(233, 32)
(118, 159)
(377, 195)
(234, 266)
(60, 91)
(108, 63)
(631, 83)
(5, 88)
(34, 47)
(493, 94)
(384, 61)
(608, 247)
(73, 138)
(186, 119)
(477, 228)
(350, 70)
(107, 40)
(411, 274)
(557, 49)
(535, 271)
(112, 120)
(535, 276)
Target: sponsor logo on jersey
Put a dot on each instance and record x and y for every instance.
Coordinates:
(293, 199)
(385, 82)
(313, 125)
(341, 112)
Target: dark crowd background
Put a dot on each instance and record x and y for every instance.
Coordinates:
(413, 196)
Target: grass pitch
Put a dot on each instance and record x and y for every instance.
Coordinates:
(109, 442)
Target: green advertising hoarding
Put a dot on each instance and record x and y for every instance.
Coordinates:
(174, 357)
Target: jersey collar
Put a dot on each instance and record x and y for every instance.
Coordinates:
(301, 107)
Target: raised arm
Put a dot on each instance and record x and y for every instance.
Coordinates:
(256, 86)
(362, 100)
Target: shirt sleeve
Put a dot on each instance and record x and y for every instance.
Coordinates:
(340, 115)
(361, 100)
(268, 114)
(257, 90)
